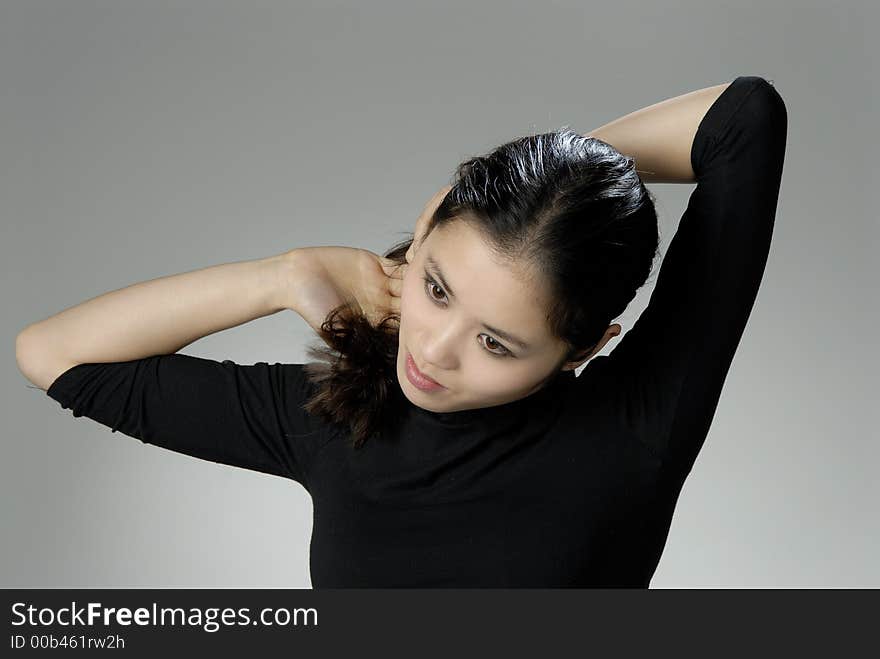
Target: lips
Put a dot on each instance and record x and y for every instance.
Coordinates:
(419, 379)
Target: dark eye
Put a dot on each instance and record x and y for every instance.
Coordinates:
(492, 345)
(431, 287)
(436, 294)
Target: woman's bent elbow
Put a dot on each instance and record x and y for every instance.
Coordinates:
(36, 361)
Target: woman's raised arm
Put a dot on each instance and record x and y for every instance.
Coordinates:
(154, 317)
(666, 374)
(660, 136)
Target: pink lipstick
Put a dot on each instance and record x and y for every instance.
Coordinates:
(419, 379)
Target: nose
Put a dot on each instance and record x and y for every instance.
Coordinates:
(438, 348)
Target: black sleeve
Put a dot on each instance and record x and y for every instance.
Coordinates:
(668, 370)
(244, 416)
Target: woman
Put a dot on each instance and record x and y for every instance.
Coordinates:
(444, 437)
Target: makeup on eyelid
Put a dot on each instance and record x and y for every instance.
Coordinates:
(431, 263)
(429, 281)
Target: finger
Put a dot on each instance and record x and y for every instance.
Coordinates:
(392, 268)
(438, 196)
(395, 286)
(424, 219)
(379, 310)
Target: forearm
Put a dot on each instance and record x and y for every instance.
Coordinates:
(660, 136)
(159, 316)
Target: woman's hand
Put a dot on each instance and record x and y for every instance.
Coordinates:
(424, 219)
(322, 278)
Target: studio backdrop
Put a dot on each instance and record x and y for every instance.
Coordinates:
(143, 139)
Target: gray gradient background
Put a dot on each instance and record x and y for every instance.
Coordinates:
(151, 138)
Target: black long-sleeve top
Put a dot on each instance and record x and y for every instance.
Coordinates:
(573, 486)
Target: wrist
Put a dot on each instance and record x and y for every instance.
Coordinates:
(288, 269)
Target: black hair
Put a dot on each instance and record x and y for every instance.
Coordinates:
(570, 206)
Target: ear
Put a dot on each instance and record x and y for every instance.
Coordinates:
(582, 357)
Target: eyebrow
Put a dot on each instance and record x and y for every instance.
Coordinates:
(501, 333)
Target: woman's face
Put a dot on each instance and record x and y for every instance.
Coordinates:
(462, 313)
